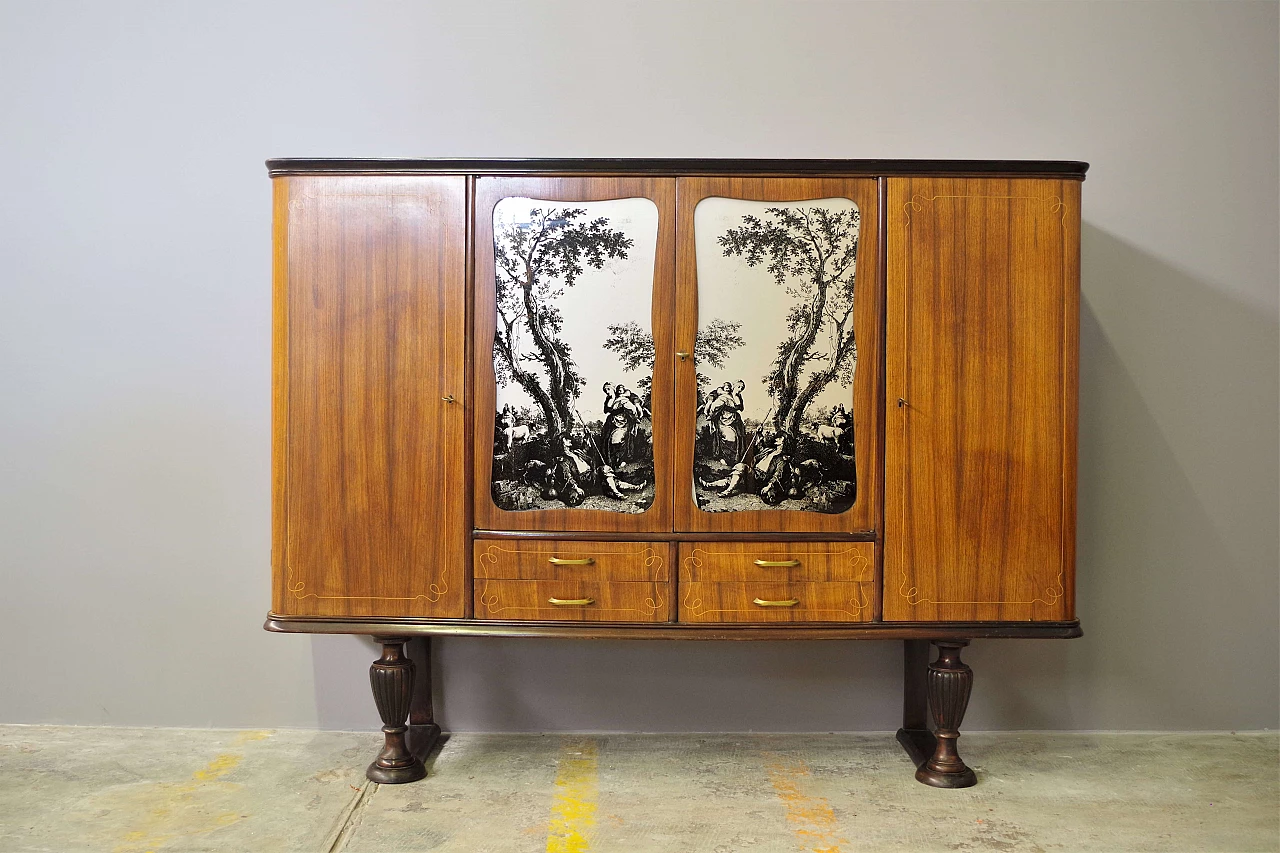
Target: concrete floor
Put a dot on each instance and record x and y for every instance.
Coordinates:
(136, 790)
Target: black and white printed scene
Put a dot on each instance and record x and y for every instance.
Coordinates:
(777, 355)
(573, 354)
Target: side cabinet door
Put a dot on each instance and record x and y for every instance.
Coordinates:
(369, 349)
(981, 386)
(778, 401)
(573, 355)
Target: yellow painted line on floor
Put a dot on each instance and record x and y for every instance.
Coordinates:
(174, 810)
(811, 818)
(216, 769)
(573, 812)
(249, 736)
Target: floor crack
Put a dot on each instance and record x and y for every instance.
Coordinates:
(351, 818)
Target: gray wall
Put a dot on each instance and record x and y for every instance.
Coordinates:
(134, 326)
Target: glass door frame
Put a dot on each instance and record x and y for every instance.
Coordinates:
(862, 520)
(488, 192)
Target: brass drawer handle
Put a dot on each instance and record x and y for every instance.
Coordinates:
(556, 561)
(571, 602)
(790, 602)
(777, 563)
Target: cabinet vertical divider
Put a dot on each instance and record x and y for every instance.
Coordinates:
(882, 267)
(468, 399)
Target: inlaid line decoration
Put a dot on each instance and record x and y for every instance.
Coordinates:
(1055, 203)
(650, 556)
(573, 355)
(298, 591)
(1053, 594)
(775, 355)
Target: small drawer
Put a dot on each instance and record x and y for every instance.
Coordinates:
(820, 562)
(766, 601)
(544, 559)
(572, 601)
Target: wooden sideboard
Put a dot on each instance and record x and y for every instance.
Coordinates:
(677, 399)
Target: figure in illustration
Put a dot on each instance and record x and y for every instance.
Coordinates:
(727, 434)
(621, 433)
(615, 487)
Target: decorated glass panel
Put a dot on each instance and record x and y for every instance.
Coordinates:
(776, 355)
(573, 354)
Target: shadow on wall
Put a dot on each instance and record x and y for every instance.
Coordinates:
(1178, 499)
(1177, 569)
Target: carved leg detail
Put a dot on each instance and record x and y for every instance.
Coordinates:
(391, 677)
(950, 681)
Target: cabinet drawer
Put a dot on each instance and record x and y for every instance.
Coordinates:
(572, 601)
(722, 562)
(543, 559)
(772, 601)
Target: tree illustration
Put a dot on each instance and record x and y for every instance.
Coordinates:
(712, 346)
(811, 254)
(536, 261)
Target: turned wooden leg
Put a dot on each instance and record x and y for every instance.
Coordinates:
(914, 735)
(391, 677)
(949, 683)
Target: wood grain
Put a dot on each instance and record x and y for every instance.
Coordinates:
(489, 191)
(370, 336)
(721, 562)
(279, 390)
(736, 602)
(610, 602)
(865, 398)
(615, 562)
(982, 350)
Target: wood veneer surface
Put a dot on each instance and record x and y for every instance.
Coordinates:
(370, 334)
(602, 601)
(814, 561)
(982, 345)
(702, 602)
(563, 560)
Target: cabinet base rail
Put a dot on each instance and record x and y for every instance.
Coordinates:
(405, 627)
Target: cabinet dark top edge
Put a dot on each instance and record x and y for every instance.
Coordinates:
(675, 167)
